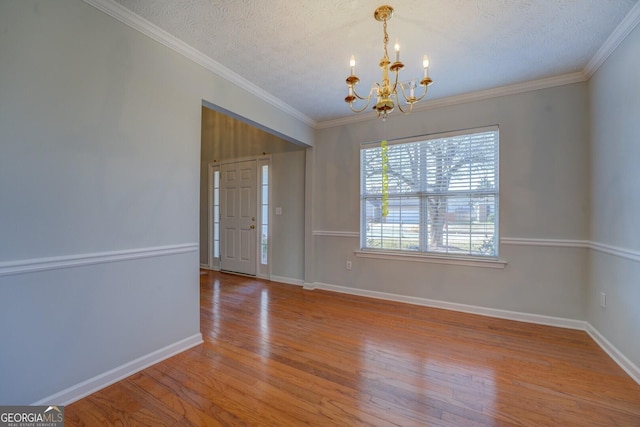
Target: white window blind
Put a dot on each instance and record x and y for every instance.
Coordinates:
(442, 195)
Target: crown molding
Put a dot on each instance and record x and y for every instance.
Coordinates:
(513, 89)
(152, 31)
(124, 15)
(621, 32)
(626, 26)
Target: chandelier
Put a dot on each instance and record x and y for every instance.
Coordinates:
(384, 91)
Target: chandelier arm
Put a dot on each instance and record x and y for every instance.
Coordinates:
(359, 110)
(404, 95)
(400, 105)
(426, 88)
(395, 84)
(361, 97)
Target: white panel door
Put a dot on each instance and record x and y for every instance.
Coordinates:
(238, 211)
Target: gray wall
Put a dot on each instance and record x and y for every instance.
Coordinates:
(543, 195)
(287, 232)
(99, 177)
(614, 93)
(100, 151)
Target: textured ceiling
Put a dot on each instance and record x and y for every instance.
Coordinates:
(299, 50)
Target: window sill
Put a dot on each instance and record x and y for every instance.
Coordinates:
(466, 261)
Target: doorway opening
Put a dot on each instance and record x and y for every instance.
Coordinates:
(238, 216)
(280, 199)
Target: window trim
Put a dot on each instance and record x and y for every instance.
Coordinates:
(435, 135)
(437, 257)
(433, 258)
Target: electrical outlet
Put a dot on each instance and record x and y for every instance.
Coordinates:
(603, 299)
(349, 265)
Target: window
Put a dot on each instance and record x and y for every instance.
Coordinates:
(264, 217)
(434, 196)
(216, 214)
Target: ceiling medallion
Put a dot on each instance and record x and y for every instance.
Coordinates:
(384, 91)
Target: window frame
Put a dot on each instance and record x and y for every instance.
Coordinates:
(468, 258)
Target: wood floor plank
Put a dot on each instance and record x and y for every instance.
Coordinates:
(280, 355)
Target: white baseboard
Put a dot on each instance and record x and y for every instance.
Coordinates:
(85, 388)
(627, 365)
(287, 280)
(465, 308)
(101, 381)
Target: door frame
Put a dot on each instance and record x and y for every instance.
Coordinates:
(262, 270)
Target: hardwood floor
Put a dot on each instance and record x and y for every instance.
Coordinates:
(278, 355)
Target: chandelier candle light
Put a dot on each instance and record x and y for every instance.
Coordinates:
(385, 92)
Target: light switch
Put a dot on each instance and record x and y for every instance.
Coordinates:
(278, 211)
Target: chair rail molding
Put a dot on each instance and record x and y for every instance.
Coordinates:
(69, 261)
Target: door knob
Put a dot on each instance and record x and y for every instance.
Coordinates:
(252, 227)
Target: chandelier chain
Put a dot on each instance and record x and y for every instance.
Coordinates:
(386, 39)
